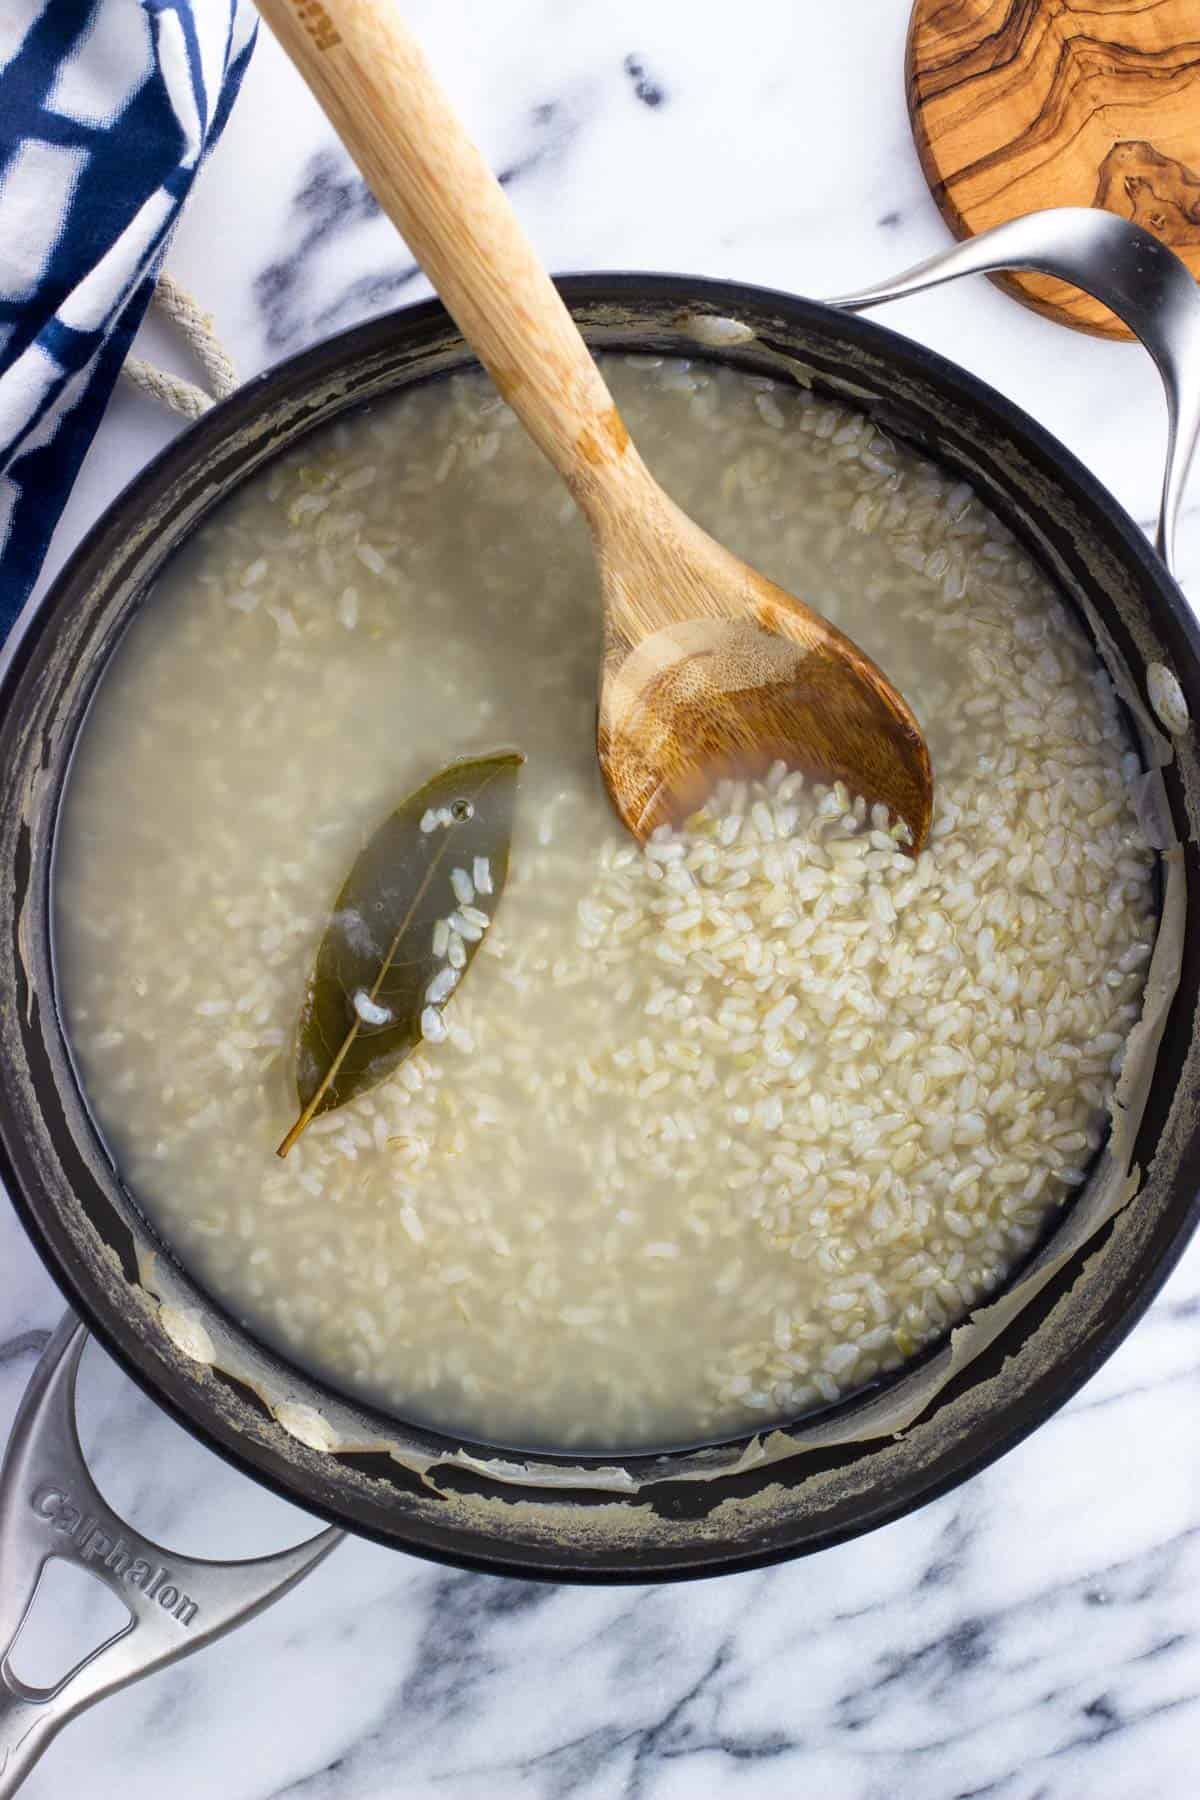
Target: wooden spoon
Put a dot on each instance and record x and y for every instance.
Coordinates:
(708, 668)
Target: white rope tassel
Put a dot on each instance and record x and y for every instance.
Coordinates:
(201, 333)
(169, 390)
(197, 327)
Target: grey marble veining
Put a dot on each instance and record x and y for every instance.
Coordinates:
(1032, 1636)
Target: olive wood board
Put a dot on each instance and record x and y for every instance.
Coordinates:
(1017, 105)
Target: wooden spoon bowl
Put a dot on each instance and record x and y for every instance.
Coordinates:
(740, 675)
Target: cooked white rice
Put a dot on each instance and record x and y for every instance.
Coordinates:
(708, 1135)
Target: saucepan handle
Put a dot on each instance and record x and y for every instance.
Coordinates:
(50, 1506)
(1116, 262)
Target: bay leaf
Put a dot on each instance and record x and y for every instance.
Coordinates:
(362, 1010)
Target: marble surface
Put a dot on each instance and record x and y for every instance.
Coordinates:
(1030, 1637)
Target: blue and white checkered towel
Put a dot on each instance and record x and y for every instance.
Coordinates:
(107, 108)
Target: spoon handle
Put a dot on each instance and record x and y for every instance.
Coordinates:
(378, 91)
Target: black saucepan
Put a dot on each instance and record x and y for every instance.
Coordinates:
(642, 1517)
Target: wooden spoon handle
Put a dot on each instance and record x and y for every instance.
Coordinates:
(370, 76)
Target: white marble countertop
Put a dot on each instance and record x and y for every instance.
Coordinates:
(1031, 1636)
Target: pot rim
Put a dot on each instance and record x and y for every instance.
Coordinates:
(319, 361)
(307, 370)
